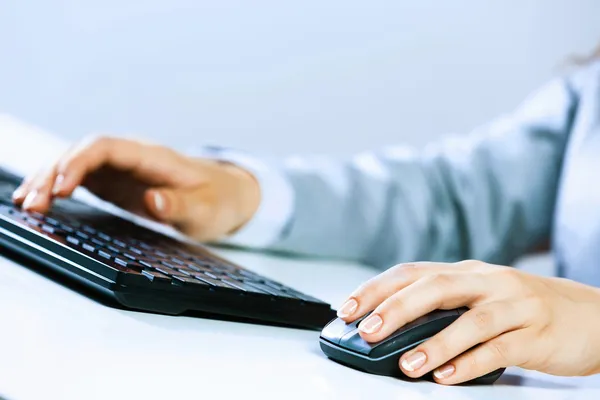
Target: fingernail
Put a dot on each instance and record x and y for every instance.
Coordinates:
(444, 371)
(372, 324)
(159, 202)
(348, 308)
(19, 193)
(414, 361)
(31, 200)
(58, 184)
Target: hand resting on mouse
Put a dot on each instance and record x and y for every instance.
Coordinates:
(514, 319)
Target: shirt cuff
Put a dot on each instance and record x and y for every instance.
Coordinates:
(277, 200)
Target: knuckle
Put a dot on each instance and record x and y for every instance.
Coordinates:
(482, 318)
(404, 266)
(373, 284)
(80, 153)
(509, 276)
(536, 304)
(438, 285)
(499, 350)
(538, 311)
(69, 162)
(40, 180)
(440, 281)
(468, 264)
(407, 271)
(98, 140)
(439, 346)
(394, 303)
(365, 288)
(470, 364)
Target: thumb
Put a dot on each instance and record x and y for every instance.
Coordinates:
(175, 206)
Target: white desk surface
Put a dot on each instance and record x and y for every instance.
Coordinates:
(57, 344)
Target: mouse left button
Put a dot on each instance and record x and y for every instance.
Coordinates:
(335, 330)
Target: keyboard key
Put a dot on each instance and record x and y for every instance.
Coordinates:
(217, 269)
(120, 243)
(148, 258)
(221, 276)
(98, 243)
(167, 264)
(155, 276)
(48, 229)
(89, 229)
(274, 285)
(128, 264)
(188, 280)
(248, 274)
(32, 221)
(88, 247)
(104, 237)
(146, 263)
(211, 275)
(182, 253)
(82, 235)
(160, 253)
(73, 240)
(198, 268)
(270, 290)
(67, 228)
(301, 296)
(200, 260)
(136, 251)
(242, 286)
(224, 267)
(114, 249)
(183, 271)
(52, 222)
(177, 261)
(130, 256)
(144, 246)
(104, 254)
(73, 223)
(168, 271)
(121, 261)
(234, 276)
(210, 281)
(37, 215)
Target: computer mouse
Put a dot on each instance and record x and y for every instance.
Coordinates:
(342, 343)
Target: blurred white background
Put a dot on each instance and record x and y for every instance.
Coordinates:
(278, 77)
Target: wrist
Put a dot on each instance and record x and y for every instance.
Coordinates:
(267, 197)
(248, 194)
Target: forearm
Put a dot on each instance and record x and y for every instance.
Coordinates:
(489, 195)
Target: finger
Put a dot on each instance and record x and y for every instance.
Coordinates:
(39, 195)
(476, 326)
(371, 293)
(156, 165)
(503, 351)
(22, 190)
(440, 291)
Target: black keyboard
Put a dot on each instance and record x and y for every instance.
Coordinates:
(146, 270)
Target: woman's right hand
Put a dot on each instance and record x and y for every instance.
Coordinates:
(205, 199)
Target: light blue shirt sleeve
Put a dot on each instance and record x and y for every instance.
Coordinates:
(488, 195)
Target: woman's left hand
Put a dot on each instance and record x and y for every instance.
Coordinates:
(514, 319)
